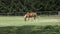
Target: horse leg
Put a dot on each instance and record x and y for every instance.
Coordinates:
(25, 19)
(35, 18)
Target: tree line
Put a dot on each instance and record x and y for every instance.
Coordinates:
(14, 6)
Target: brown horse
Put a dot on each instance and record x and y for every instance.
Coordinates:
(29, 15)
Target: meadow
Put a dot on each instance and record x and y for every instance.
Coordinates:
(19, 20)
(17, 25)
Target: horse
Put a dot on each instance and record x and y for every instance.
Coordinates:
(30, 15)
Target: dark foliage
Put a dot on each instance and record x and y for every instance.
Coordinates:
(14, 6)
(30, 29)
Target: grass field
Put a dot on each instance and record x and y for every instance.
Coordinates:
(19, 21)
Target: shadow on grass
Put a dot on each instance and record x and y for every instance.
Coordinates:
(30, 29)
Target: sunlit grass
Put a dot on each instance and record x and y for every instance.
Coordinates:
(19, 21)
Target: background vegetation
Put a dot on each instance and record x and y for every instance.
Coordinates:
(14, 6)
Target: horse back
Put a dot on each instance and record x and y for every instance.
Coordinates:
(31, 15)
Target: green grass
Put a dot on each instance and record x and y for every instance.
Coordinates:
(19, 21)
